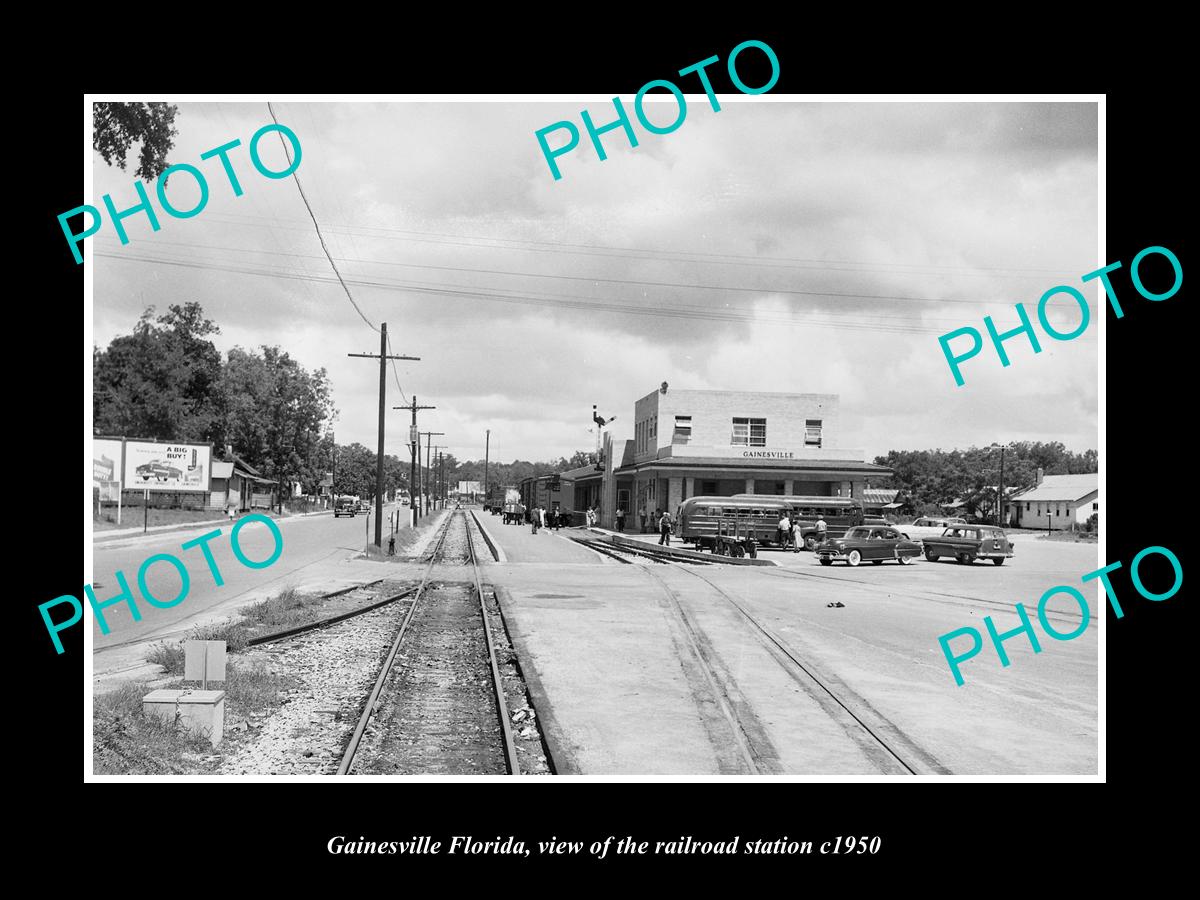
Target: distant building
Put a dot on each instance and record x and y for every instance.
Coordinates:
(235, 480)
(1055, 502)
(883, 502)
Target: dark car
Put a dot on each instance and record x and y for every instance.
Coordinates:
(873, 543)
(346, 507)
(967, 543)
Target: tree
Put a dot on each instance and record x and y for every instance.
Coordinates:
(117, 126)
(160, 381)
(275, 412)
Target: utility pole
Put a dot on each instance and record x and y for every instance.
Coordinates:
(426, 476)
(384, 356)
(435, 493)
(414, 444)
(1000, 493)
(487, 446)
(442, 475)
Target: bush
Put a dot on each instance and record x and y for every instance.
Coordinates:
(232, 633)
(169, 656)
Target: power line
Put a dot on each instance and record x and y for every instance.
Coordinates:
(320, 237)
(622, 281)
(546, 300)
(671, 255)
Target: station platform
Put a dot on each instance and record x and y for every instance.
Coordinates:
(521, 545)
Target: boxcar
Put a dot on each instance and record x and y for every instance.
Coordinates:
(698, 518)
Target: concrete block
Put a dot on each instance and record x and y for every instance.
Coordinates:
(201, 712)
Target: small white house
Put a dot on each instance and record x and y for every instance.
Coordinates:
(1056, 502)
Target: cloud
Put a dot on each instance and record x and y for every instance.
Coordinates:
(745, 224)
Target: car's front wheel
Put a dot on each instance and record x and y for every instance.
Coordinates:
(930, 555)
(964, 558)
(998, 560)
(826, 561)
(905, 560)
(854, 558)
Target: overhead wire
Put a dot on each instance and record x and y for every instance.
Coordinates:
(320, 237)
(547, 300)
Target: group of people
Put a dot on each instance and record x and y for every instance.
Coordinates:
(593, 516)
(539, 517)
(788, 533)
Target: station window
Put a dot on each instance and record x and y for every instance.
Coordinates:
(683, 430)
(812, 432)
(749, 432)
(1096, 507)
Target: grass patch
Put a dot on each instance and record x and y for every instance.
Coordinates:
(169, 656)
(284, 611)
(125, 742)
(232, 633)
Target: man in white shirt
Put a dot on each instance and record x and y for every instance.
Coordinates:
(783, 530)
(821, 528)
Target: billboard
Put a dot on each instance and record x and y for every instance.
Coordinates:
(150, 465)
(470, 487)
(106, 468)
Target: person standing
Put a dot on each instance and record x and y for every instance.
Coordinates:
(542, 515)
(642, 513)
(821, 528)
(621, 519)
(534, 519)
(664, 528)
(783, 531)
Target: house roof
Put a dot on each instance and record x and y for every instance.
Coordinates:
(1062, 487)
(880, 495)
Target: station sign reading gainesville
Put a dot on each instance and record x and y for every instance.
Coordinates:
(769, 454)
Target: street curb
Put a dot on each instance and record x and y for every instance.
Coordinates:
(562, 760)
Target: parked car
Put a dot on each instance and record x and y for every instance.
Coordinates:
(346, 507)
(872, 543)
(967, 543)
(886, 523)
(930, 526)
(364, 506)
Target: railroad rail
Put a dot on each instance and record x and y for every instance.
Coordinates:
(903, 749)
(864, 723)
(373, 701)
(332, 620)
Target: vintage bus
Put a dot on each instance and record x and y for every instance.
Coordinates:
(700, 519)
(839, 514)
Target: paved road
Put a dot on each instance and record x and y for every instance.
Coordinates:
(307, 541)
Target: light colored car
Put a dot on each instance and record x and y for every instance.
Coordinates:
(929, 527)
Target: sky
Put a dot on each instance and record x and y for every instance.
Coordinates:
(771, 246)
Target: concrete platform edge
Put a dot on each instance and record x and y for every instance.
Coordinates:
(498, 553)
(562, 758)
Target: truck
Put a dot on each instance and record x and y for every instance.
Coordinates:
(498, 496)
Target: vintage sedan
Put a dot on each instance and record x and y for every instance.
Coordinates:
(967, 543)
(929, 526)
(869, 543)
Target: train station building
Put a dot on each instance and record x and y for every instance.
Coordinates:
(691, 443)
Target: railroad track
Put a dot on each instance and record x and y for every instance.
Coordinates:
(881, 740)
(438, 704)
